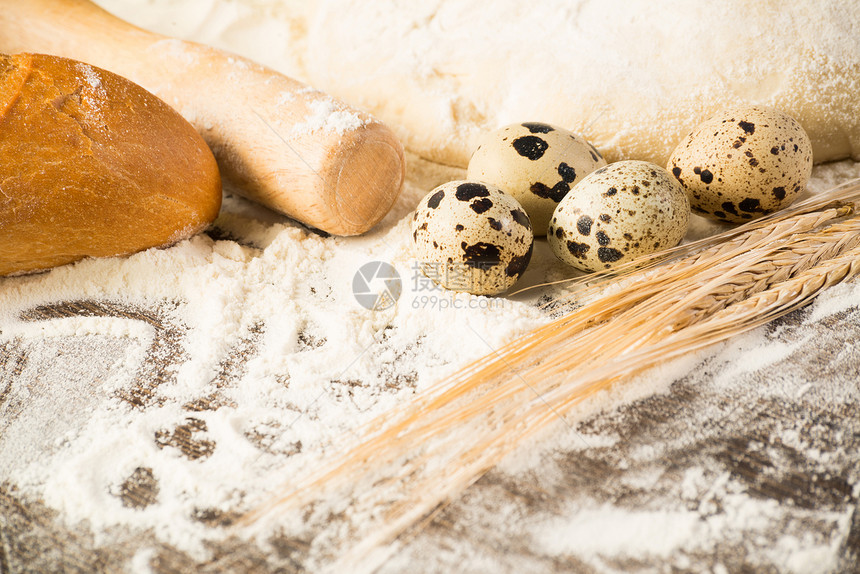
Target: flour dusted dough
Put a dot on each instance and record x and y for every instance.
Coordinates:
(633, 76)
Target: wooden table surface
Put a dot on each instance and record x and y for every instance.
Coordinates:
(784, 438)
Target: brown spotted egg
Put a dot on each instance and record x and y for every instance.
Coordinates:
(617, 213)
(536, 163)
(472, 237)
(743, 163)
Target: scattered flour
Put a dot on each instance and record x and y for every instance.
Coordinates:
(176, 49)
(325, 116)
(285, 98)
(90, 75)
(93, 94)
(313, 365)
(614, 532)
(611, 532)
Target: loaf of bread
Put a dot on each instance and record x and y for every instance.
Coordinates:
(93, 165)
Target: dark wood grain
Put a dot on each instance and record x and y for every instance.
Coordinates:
(164, 353)
(743, 438)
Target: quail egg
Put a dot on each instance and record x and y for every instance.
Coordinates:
(472, 237)
(621, 211)
(536, 163)
(743, 163)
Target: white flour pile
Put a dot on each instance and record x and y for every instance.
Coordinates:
(631, 76)
(264, 319)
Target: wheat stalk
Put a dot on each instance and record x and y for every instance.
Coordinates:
(414, 459)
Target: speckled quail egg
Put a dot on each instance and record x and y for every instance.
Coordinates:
(743, 163)
(617, 213)
(472, 237)
(536, 163)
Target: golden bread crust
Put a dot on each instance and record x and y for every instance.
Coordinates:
(92, 165)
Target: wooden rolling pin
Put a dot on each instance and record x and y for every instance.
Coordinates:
(281, 143)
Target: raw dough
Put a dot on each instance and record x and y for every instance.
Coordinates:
(632, 76)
